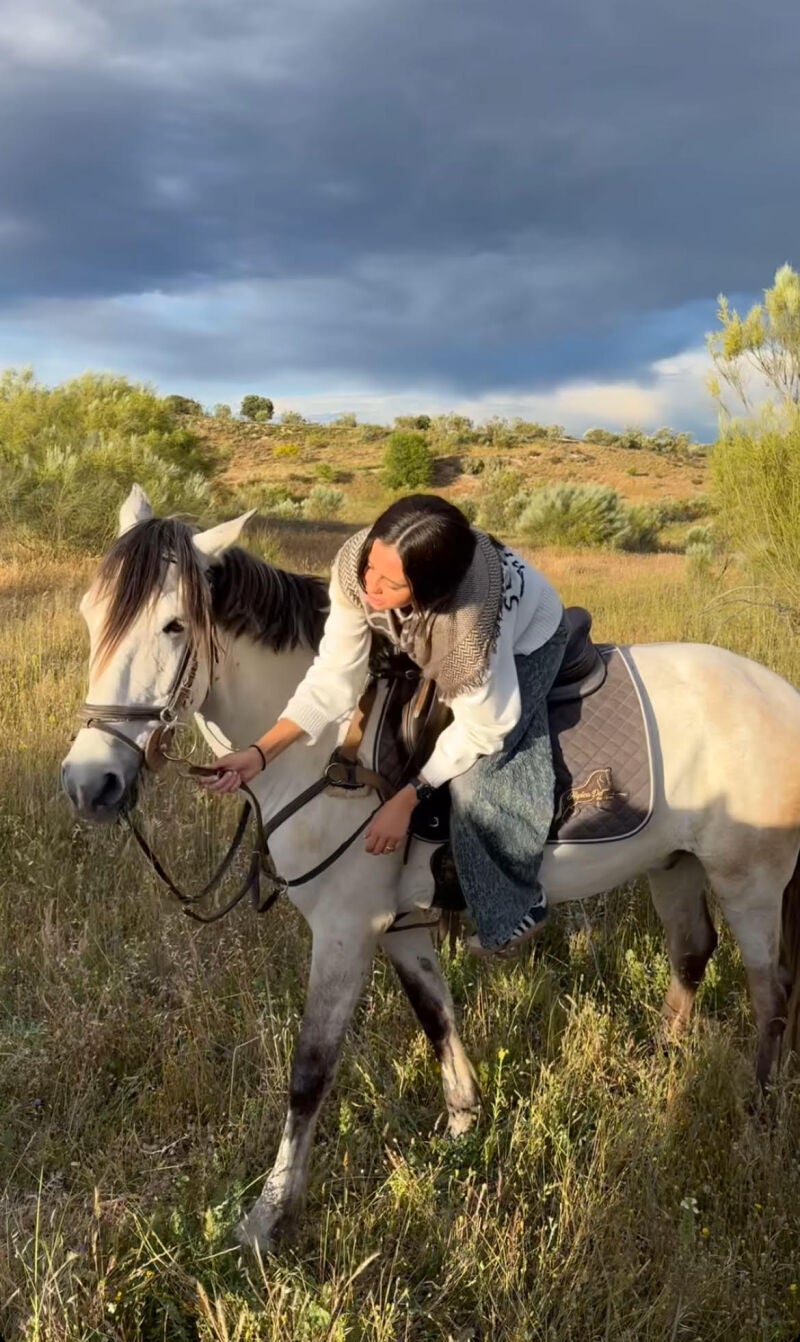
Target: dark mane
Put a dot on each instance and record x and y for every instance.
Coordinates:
(271, 606)
(241, 594)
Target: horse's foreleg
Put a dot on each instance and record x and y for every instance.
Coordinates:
(680, 902)
(339, 962)
(413, 955)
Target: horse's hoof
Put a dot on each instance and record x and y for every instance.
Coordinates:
(263, 1227)
(460, 1122)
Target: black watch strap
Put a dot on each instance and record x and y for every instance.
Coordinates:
(423, 790)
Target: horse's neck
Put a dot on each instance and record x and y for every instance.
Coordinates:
(251, 688)
(252, 685)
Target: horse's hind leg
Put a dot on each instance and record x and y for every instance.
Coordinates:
(413, 955)
(751, 902)
(679, 898)
(339, 963)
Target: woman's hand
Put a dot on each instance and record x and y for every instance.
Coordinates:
(390, 824)
(234, 769)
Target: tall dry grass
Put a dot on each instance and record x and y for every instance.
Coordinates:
(611, 1190)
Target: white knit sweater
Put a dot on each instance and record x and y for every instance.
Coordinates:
(482, 718)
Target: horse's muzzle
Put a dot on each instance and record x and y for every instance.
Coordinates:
(99, 794)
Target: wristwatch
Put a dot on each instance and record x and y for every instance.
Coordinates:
(423, 790)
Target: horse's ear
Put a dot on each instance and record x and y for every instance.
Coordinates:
(213, 543)
(136, 508)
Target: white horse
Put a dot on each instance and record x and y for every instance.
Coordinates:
(726, 735)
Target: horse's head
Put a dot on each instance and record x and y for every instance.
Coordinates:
(151, 631)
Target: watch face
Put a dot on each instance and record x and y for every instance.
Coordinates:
(424, 791)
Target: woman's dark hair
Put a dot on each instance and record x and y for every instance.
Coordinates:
(435, 543)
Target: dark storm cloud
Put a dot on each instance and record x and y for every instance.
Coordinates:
(486, 193)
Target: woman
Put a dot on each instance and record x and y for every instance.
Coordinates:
(489, 629)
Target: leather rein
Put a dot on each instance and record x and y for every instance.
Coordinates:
(343, 770)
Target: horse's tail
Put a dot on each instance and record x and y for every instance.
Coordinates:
(790, 957)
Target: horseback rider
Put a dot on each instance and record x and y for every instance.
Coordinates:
(490, 630)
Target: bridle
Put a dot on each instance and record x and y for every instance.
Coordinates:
(166, 716)
(343, 770)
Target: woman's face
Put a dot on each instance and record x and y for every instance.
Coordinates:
(385, 583)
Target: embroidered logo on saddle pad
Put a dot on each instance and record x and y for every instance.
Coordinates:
(596, 790)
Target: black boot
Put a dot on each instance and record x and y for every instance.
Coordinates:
(447, 892)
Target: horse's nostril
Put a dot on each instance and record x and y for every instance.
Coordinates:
(110, 791)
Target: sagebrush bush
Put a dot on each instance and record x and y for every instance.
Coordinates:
(585, 515)
(323, 501)
(501, 499)
(407, 460)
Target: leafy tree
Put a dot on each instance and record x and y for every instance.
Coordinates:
(183, 405)
(764, 343)
(222, 411)
(407, 461)
(347, 420)
(257, 408)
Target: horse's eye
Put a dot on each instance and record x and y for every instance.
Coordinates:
(174, 627)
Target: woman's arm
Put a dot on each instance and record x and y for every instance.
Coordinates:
(333, 682)
(329, 689)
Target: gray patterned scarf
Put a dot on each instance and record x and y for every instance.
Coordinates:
(453, 646)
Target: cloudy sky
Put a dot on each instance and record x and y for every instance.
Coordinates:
(492, 205)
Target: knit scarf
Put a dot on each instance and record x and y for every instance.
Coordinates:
(452, 647)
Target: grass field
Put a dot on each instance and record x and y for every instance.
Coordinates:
(612, 1189)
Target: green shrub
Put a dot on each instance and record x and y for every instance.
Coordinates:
(756, 486)
(601, 437)
(501, 499)
(323, 502)
(469, 508)
(222, 411)
(287, 508)
(69, 455)
(286, 450)
(583, 516)
(347, 420)
(407, 461)
(638, 530)
(668, 441)
(293, 419)
(683, 510)
(453, 431)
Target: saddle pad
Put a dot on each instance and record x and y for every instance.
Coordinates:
(602, 757)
